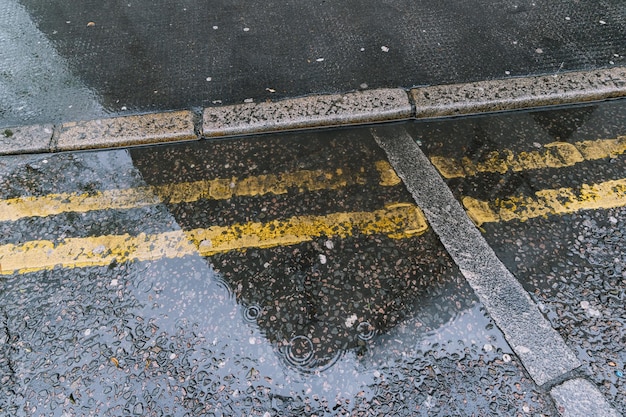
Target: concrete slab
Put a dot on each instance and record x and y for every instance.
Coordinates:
(541, 349)
(126, 131)
(580, 398)
(322, 110)
(25, 139)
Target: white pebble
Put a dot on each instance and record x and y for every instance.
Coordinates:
(602, 22)
(99, 250)
(319, 59)
(384, 48)
(329, 244)
(488, 347)
(323, 259)
(506, 358)
(87, 332)
(249, 100)
(351, 320)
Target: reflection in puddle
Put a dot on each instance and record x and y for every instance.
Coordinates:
(316, 301)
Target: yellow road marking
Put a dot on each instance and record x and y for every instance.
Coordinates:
(554, 155)
(215, 189)
(396, 221)
(604, 195)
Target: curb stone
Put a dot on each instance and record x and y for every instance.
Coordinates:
(307, 112)
(361, 107)
(580, 398)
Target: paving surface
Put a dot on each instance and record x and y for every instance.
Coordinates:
(294, 274)
(65, 61)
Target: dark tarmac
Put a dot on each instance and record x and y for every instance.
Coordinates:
(318, 288)
(64, 61)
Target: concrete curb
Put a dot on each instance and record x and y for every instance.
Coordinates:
(307, 112)
(541, 349)
(519, 93)
(580, 398)
(124, 131)
(360, 107)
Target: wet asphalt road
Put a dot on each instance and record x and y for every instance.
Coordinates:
(365, 317)
(61, 60)
(573, 264)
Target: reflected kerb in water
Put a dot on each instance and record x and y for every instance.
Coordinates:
(317, 300)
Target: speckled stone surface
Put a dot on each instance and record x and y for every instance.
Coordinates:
(25, 139)
(125, 131)
(322, 110)
(541, 349)
(580, 398)
(518, 93)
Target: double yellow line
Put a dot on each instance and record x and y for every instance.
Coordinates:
(396, 221)
(553, 155)
(608, 194)
(214, 189)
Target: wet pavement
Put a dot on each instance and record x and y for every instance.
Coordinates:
(572, 263)
(63, 61)
(293, 274)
